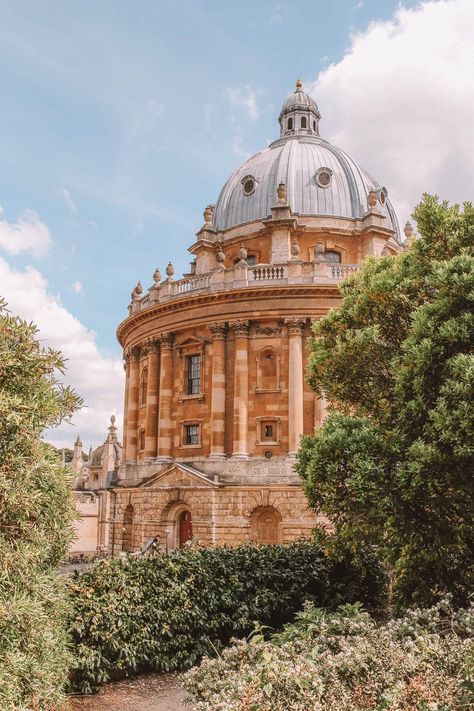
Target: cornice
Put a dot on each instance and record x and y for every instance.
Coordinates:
(221, 297)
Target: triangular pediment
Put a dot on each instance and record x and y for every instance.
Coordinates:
(178, 475)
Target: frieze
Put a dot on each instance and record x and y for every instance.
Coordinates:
(268, 330)
(128, 324)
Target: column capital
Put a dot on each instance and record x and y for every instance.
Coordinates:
(217, 331)
(132, 354)
(241, 328)
(151, 346)
(166, 339)
(295, 325)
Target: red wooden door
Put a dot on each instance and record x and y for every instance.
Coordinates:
(185, 528)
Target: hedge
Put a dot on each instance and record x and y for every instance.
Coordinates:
(165, 613)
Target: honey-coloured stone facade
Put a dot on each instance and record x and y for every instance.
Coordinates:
(216, 398)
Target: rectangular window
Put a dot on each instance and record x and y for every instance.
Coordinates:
(194, 374)
(191, 434)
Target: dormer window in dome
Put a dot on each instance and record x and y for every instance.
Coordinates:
(323, 177)
(249, 184)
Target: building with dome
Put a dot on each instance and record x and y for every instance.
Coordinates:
(93, 478)
(215, 397)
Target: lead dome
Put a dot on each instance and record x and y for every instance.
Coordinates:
(321, 179)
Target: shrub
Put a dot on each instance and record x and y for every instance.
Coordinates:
(345, 661)
(166, 613)
(36, 508)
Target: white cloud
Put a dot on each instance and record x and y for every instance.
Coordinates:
(77, 287)
(70, 204)
(401, 102)
(244, 97)
(99, 380)
(280, 14)
(29, 234)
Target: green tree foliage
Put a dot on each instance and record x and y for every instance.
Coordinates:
(393, 464)
(165, 613)
(35, 512)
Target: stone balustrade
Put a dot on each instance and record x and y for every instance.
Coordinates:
(243, 276)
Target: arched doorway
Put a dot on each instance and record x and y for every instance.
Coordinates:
(185, 528)
(265, 525)
(127, 531)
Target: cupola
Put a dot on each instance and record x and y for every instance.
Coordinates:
(299, 114)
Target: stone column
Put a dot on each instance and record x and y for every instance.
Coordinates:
(151, 412)
(218, 391)
(295, 383)
(132, 405)
(241, 389)
(126, 367)
(165, 398)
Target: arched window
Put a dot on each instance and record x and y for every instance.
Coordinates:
(127, 537)
(314, 125)
(143, 386)
(303, 122)
(290, 124)
(265, 525)
(251, 260)
(332, 257)
(268, 369)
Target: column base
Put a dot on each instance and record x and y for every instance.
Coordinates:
(240, 455)
(217, 457)
(163, 460)
(291, 455)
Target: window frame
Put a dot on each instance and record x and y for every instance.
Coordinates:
(185, 426)
(193, 381)
(261, 423)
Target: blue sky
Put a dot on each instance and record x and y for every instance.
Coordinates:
(120, 121)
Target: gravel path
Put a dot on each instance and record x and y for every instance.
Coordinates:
(154, 692)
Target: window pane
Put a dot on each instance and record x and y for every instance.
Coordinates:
(192, 434)
(194, 375)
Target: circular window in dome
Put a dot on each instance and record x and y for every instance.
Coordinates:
(323, 177)
(249, 184)
(383, 196)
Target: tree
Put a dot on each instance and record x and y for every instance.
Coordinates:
(36, 509)
(393, 464)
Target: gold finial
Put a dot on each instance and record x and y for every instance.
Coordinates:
(299, 84)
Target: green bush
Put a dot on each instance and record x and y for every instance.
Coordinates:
(36, 508)
(165, 613)
(345, 661)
